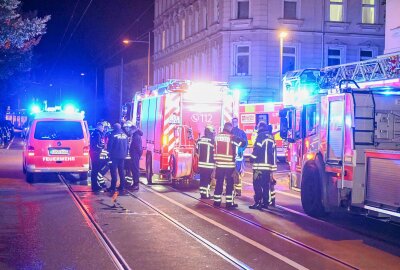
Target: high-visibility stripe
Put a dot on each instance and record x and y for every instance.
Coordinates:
(222, 155)
(253, 156)
(225, 166)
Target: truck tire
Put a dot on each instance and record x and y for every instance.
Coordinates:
(311, 191)
(29, 177)
(149, 170)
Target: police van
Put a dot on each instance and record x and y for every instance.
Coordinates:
(56, 142)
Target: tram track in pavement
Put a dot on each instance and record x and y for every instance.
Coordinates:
(219, 251)
(116, 255)
(112, 251)
(252, 223)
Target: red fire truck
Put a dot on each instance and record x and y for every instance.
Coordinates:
(173, 116)
(343, 127)
(251, 114)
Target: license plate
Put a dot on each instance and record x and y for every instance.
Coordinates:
(58, 151)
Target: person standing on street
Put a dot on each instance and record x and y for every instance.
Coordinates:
(205, 150)
(96, 153)
(225, 152)
(264, 163)
(127, 128)
(135, 151)
(117, 147)
(240, 161)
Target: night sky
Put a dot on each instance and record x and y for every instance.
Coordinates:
(59, 61)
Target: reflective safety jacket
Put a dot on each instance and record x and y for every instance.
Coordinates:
(205, 149)
(225, 149)
(264, 152)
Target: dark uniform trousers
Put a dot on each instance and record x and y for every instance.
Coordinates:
(220, 175)
(135, 169)
(261, 184)
(128, 170)
(205, 180)
(96, 167)
(117, 164)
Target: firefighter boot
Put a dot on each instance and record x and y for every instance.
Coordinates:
(256, 205)
(231, 205)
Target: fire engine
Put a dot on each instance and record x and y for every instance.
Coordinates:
(343, 126)
(249, 117)
(173, 116)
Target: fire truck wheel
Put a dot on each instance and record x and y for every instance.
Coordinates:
(311, 191)
(149, 170)
(29, 177)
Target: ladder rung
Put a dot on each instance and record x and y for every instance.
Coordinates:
(365, 118)
(364, 130)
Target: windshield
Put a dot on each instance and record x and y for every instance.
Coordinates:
(58, 130)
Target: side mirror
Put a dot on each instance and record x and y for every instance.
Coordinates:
(284, 128)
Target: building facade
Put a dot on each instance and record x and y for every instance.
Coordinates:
(392, 26)
(239, 41)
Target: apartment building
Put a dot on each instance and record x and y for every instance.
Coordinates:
(241, 41)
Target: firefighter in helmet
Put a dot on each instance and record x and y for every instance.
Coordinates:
(205, 150)
(239, 160)
(106, 162)
(225, 152)
(97, 145)
(264, 163)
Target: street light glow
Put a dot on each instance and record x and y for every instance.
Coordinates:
(126, 41)
(283, 34)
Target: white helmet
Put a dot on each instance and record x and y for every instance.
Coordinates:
(128, 124)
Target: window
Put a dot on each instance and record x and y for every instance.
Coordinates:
(242, 60)
(366, 54)
(310, 120)
(335, 131)
(177, 32)
(58, 130)
(215, 11)
(243, 9)
(196, 21)
(288, 59)
(334, 56)
(336, 10)
(163, 40)
(183, 29)
(289, 9)
(368, 11)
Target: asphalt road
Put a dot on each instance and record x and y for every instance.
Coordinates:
(168, 227)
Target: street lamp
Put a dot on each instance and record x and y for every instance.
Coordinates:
(128, 41)
(282, 35)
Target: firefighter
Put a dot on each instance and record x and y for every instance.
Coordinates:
(264, 163)
(272, 180)
(205, 150)
(135, 151)
(240, 161)
(117, 147)
(96, 153)
(225, 152)
(127, 128)
(106, 162)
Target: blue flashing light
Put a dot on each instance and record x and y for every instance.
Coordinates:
(35, 109)
(69, 108)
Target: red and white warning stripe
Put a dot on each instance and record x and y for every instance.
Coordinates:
(170, 116)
